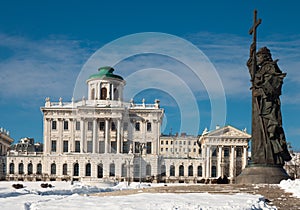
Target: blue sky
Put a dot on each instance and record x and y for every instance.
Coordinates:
(44, 44)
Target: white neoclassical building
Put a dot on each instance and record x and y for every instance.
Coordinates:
(5, 142)
(103, 138)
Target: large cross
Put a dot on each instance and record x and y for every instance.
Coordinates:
(252, 30)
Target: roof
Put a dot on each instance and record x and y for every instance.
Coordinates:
(105, 72)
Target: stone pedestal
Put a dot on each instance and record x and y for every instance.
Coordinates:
(259, 174)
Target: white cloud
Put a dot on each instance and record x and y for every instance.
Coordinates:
(39, 68)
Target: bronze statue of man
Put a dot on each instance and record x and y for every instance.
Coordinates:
(268, 140)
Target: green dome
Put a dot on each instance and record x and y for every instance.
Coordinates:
(105, 72)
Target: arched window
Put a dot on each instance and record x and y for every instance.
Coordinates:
(112, 169)
(213, 171)
(88, 169)
(199, 171)
(124, 170)
(116, 94)
(181, 170)
(29, 169)
(163, 170)
(100, 171)
(172, 170)
(93, 94)
(76, 169)
(148, 170)
(103, 93)
(39, 168)
(53, 168)
(190, 171)
(21, 168)
(65, 169)
(11, 168)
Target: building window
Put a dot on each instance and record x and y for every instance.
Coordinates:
(163, 170)
(76, 169)
(53, 168)
(167, 142)
(3, 168)
(101, 125)
(199, 171)
(167, 149)
(214, 153)
(66, 125)
(137, 148)
(162, 142)
(239, 152)
(113, 126)
(11, 168)
(89, 146)
(88, 169)
(161, 149)
(149, 126)
(172, 170)
(103, 93)
(181, 170)
(78, 125)
(93, 94)
(149, 148)
(65, 169)
(53, 146)
(112, 169)
(29, 169)
(77, 146)
(183, 142)
(137, 126)
(213, 171)
(194, 150)
(226, 152)
(39, 168)
(180, 142)
(90, 125)
(190, 171)
(136, 171)
(148, 170)
(100, 170)
(54, 125)
(102, 147)
(65, 146)
(125, 126)
(189, 142)
(171, 142)
(124, 170)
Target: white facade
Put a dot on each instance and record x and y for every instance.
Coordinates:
(104, 138)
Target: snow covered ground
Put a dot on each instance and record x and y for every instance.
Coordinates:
(64, 195)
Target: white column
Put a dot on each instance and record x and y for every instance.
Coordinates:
(112, 92)
(121, 135)
(60, 136)
(47, 135)
(82, 140)
(232, 162)
(95, 139)
(106, 143)
(208, 158)
(245, 157)
(219, 162)
(72, 135)
(118, 136)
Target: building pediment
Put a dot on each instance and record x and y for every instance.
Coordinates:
(228, 132)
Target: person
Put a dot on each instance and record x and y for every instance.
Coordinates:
(268, 139)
